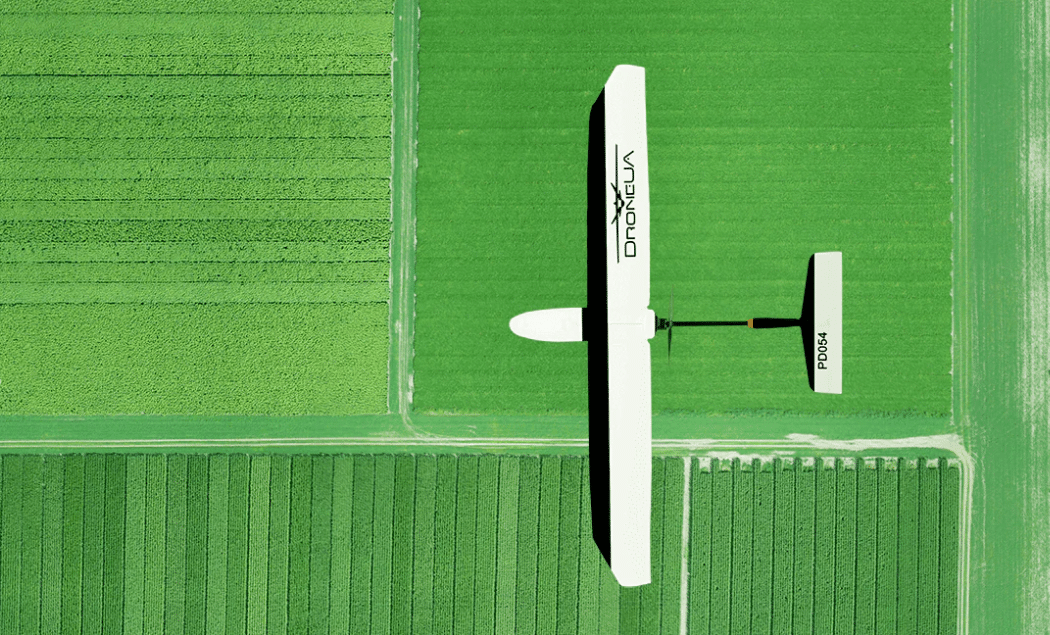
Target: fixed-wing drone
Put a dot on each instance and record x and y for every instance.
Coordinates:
(617, 324)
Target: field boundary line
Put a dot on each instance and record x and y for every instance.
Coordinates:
(1034, 389)
(961, 320)
(718, 448)
(962, 328)
(683, 615)
(404, 74)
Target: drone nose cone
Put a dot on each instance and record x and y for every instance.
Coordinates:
(550, 325)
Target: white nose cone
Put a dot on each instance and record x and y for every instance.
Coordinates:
(550, 325)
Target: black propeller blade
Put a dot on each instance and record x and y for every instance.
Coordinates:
(670, 325)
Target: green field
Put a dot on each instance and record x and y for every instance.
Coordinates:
(194, 208)
(156, 263)
(773, 134)
(439, 544)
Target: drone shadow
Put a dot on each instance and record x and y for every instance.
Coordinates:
(596, 330)
(806, 321)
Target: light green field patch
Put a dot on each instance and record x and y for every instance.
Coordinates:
(195, 208)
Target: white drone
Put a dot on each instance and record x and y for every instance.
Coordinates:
(618, 324)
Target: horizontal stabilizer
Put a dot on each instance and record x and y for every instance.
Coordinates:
(822, 322)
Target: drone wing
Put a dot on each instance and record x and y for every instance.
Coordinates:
(619, 326)
(626, 194)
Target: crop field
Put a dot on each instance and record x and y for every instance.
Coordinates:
(819, 126)
(257, 263)
(194, 208)
(468, 544)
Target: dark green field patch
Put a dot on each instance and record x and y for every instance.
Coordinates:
(414, 543)
(846, 560)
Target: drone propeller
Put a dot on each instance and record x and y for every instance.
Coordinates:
(670, 325)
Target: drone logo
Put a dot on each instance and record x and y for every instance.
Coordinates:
(630, 248)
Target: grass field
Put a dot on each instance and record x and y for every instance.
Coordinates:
(469, 544)
(773, 133)
(194, 208)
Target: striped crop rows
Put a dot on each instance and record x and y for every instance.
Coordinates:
(468, 544)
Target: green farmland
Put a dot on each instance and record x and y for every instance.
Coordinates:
(257, 263)
(442, 544)
(194, 209)
(819, 126)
